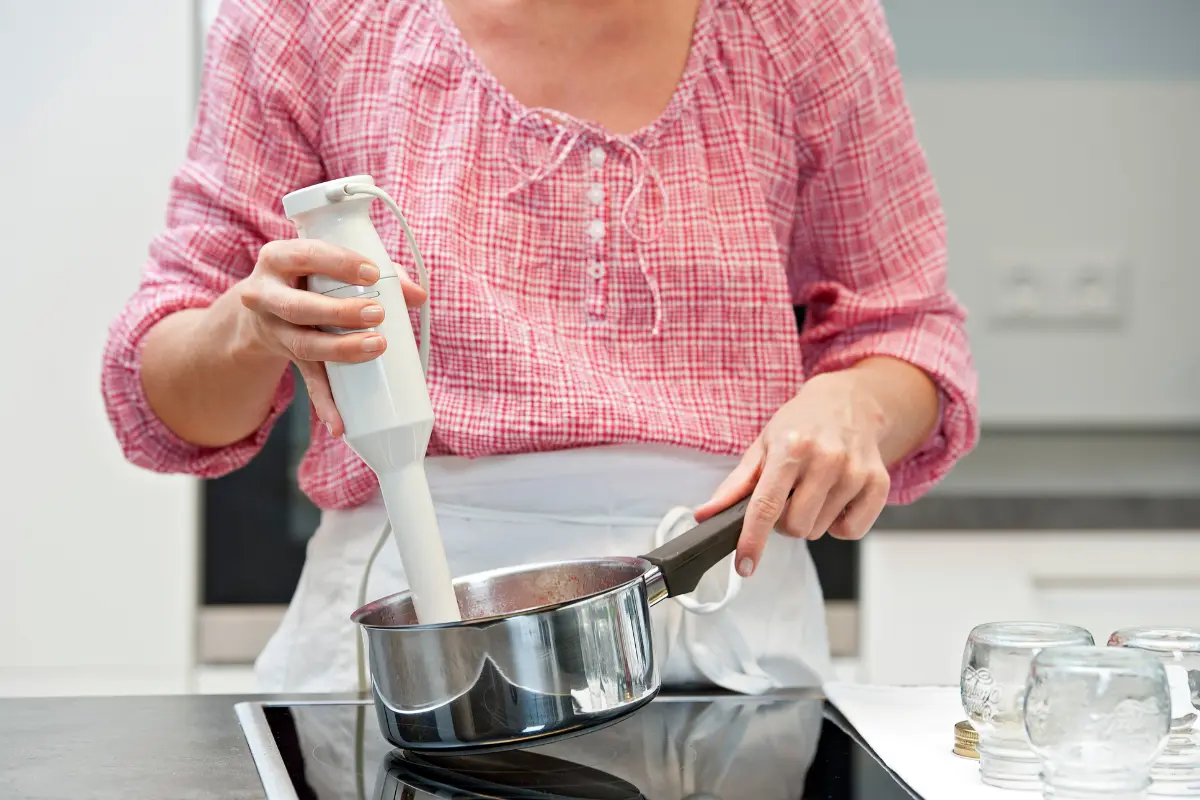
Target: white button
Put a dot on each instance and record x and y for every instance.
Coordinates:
(597, 156)
(595, 229)
(595, 194)
(596, 271)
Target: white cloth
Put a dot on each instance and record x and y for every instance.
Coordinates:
(509, 510)
(911, 729)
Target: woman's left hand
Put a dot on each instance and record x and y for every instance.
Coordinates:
(825, 445)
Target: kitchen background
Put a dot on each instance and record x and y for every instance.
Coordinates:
(1063, 136)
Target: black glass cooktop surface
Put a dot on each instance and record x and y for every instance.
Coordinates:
(677, 748)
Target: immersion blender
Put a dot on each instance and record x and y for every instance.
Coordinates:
(384, 403)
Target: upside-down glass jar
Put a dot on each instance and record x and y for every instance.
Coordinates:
(1097, 717)
(1176, 773)
(995, 667)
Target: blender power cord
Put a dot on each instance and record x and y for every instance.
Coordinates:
(349, 189)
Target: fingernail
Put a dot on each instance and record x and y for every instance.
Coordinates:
(372, 314)
(373, 344)
(745, 567)
(369, 273)
(329, 427)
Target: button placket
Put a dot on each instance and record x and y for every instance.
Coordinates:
(596, 231)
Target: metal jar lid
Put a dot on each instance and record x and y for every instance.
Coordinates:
(965, 740)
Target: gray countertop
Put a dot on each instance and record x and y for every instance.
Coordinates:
(1060, 480)
(125, 748)
(1033, 513)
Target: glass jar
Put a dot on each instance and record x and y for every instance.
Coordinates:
(1177, 771)
(995, 667)
(1097, 718)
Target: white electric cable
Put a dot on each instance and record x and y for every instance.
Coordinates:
(422, 275)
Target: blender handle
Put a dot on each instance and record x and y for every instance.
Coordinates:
(682, 561)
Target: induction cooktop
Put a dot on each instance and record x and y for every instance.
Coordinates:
(681, 747)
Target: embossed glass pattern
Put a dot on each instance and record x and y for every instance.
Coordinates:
(995, 667)
(1097, 717)
(1176, 773)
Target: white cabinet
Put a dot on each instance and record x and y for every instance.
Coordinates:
(922, 592)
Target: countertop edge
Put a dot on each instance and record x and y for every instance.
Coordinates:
(1062, 512)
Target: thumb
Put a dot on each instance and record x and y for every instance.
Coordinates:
(738, 484)
(414, 295)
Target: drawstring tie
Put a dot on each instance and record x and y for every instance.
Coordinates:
(646, 181)
(751, 679)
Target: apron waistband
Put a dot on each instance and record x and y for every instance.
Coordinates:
(502, 515)
(608, 485)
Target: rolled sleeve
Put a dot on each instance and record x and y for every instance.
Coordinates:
(936, 344)
(143, 437)
(250, 146)
(869, 256)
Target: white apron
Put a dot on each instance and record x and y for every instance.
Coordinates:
(508, 510)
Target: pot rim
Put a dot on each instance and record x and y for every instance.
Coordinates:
(646, 571)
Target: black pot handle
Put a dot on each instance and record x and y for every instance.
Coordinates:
(684, 559)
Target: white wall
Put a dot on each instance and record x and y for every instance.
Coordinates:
(97, 559)
(1059, 169)
(1058, 130)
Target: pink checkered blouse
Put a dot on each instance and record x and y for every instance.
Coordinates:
(586, 288)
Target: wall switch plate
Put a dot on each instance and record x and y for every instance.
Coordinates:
(1060, 291)
(1096, 290)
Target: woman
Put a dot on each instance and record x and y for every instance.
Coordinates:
(619, 204)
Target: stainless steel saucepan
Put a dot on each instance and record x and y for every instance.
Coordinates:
(544, 652)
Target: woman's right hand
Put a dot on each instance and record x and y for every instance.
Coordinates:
(282, 316)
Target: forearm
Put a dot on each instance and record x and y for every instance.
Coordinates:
(907, 400)
(204, 375)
